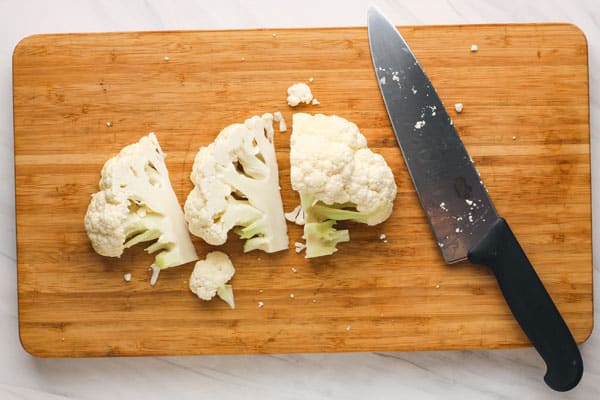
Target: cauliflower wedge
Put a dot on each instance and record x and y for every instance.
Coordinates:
(237, 186)
(136, 204)
(210, 277)
(338, 178)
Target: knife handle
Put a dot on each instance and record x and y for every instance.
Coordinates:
(531, 305)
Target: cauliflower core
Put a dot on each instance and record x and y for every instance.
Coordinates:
(237, 185)
(210, 277)
(338, 178)
(136, 204)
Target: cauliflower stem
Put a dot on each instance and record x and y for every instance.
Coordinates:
(319, 232)
(225, 293)
(322, 238)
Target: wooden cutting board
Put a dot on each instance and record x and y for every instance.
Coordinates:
(78, 99)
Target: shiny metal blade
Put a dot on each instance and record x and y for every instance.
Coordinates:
(451, 192)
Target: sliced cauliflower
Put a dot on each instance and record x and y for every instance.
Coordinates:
(338, 178)
(210, 277)
(237, 185)
(135, 204)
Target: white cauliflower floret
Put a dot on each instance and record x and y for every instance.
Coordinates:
(107, 223)
(135, 204)
(237, 185)
(338, 178)
(210, 277)
(299, 93)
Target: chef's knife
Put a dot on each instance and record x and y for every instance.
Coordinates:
(460, 212)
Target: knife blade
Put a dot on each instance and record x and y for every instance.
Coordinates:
(459, 210)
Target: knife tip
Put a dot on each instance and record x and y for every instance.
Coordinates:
(375, 16)
(372, 11)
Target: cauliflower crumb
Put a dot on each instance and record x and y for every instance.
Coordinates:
(458, 107)
(474, 48)
(166, 58)
(311, 79)
(108, 124)
(419, 124)
(382, 236)
(315, 102)
(514, 138)
(291, 216)
(348, 328)
(155, 273)
(299, 247)
(292, 296)
(277, 117)
(127, 277)
(299, 93)
(261, 304)
(296, 215)
(294, 270)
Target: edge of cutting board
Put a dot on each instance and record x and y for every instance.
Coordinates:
(26, 39)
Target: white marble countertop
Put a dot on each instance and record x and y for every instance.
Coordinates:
(423, 375)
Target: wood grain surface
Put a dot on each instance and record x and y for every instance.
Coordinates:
(525, 123)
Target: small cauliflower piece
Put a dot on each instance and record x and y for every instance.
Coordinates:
(338, 178)
(210, 277)
(296, 215)
(236, 183)
(278, 117)
(299, 93)
(299, 247)
(136, 204)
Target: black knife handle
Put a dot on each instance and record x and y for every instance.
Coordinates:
(531, 305)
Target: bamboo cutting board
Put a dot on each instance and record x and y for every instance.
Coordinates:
(78, 99)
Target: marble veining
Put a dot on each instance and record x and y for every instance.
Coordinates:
(507, 374)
